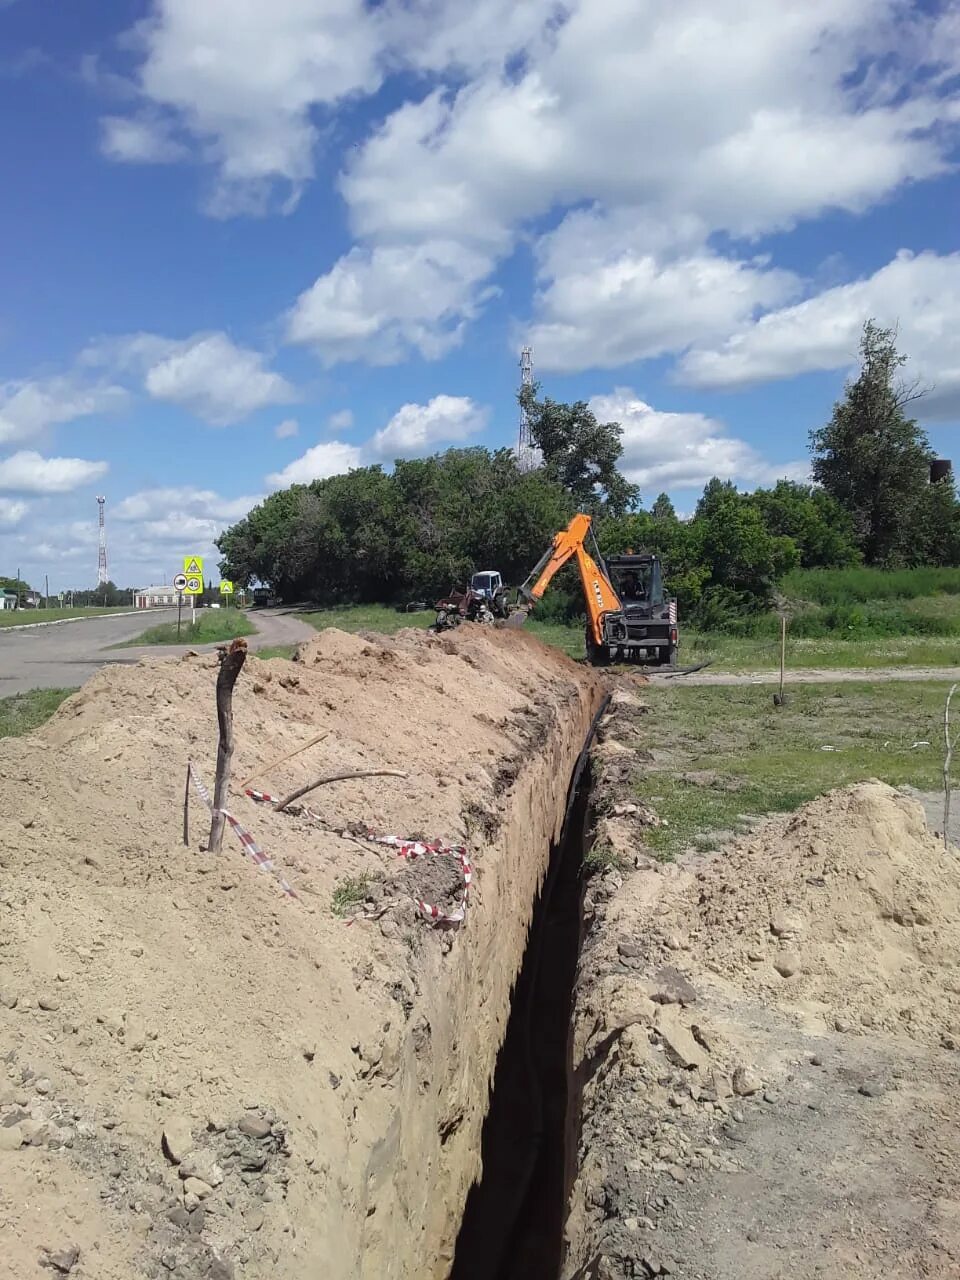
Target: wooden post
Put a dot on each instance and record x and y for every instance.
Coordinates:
(783, 651)
(179, 611)
(231, 664)
(947, 761)
(186, 810)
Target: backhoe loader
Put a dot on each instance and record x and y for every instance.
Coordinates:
(627, 622)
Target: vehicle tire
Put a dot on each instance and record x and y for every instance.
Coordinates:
(668, 657)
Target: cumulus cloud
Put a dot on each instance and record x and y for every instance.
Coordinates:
(416, 428)
(184, 501)
(206, 374)
(382, 304)
(142, 139)
(663, 451)
(29, 472)
(918, 293)
(342, 420)
(606, 300)
(29, 407)
(11, 512)
(323, 460)
(286, 429)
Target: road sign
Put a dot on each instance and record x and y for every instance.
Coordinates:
(194, 587)
(193, 566)
(226, 588)
(180, 582)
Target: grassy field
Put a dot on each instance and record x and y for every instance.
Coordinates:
(25, 711)
(27, 617)
(730, 754)
(276, 651)
(212, 625)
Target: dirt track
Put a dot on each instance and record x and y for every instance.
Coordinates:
(812, 675)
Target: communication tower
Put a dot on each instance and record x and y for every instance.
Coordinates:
(102, 563)
(526, 454)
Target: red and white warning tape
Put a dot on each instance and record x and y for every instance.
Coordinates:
(257, 855)
(411, 850)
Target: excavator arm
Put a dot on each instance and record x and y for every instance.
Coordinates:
(598, 594)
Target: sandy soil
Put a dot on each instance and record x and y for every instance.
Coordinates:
(202, 1077)
(767, 1042)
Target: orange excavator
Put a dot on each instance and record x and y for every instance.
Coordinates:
(630, 621)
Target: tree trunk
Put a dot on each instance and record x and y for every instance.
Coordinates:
(231, 664)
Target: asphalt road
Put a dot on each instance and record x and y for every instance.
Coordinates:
(65, 656)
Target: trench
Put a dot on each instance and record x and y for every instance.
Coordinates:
(513, 1220)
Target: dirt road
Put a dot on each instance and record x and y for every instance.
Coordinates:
(62, 657)
(811, 675)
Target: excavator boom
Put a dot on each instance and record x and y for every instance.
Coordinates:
(599, 596)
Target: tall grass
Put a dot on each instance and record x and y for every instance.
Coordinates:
(844, 586)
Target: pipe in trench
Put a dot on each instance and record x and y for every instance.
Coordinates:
(512, 1227)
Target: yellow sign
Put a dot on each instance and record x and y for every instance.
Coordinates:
(193, 568)
(226, 588)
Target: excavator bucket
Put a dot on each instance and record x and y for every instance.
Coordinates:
(517, 618)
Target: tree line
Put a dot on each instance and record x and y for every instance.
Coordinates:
(424, 527)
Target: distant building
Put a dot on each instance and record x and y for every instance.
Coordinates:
(32, 599)
(8, 600)
(156, 597)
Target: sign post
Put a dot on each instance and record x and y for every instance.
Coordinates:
(180, 585)
(193, 571)
(226, 590)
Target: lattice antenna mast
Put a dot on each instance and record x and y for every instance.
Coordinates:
(526, 455)
(102, 562)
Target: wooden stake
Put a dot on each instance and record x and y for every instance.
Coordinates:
(339, 777)
(231, 664)
(186, 810)
(783, 651)
(947, 760)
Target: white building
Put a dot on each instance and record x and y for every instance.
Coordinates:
(156, 597)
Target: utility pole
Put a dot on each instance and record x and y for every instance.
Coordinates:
(46, 591)
(17, 605)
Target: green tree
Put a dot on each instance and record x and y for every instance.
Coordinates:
(580, 453)
(663, 508)
(872, 458)
(12, 584)
(820, 527)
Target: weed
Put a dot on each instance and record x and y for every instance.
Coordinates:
(276, 651)
(24, 712)
(349, 893)
(211, 626)
(600, 857)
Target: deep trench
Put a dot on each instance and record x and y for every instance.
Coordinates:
(512, 1226)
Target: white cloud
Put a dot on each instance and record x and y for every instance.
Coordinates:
(11, 511)
(918, 293)
(284, 430)
(416, 428)
(382, 304)
(182, 502)
(206, 374)
(29, 472)
(745, 114)
(342, 420)
(606, 300)
(142, 139)
(663, 451)
(27, 407)
(323, 460)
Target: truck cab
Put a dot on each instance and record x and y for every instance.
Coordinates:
(489, 584)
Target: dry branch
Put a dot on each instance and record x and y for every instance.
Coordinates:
(266, 771)
(186, 809)
(339, 777)
(231, 664)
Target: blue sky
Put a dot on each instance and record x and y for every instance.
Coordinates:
(247, 243)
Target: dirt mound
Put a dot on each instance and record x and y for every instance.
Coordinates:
(849, 908)
(202, 1077)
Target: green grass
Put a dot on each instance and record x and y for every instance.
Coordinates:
(24, 712)
(212, 625)
(276, 651)
(751, 758)
(348, 893)
(760, 653)
(368, 617)
(845, 586)
(26, 617)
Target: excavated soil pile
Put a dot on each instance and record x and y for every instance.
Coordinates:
(203, 1077)
(766, 1040)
